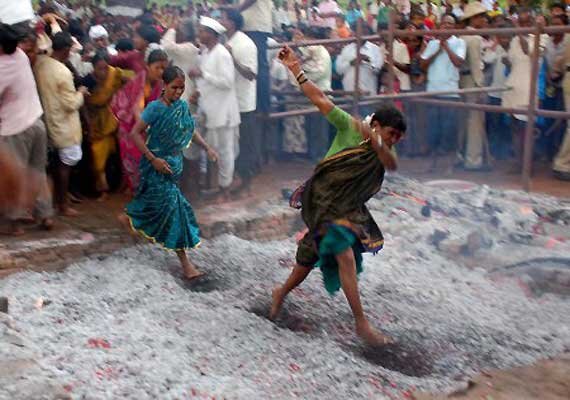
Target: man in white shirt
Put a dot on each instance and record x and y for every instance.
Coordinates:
(244, 54)
(498, 130)
(371, 63)
(22, 130)
(215, 80)
(442, 59)
(318, 68)
(258, 25)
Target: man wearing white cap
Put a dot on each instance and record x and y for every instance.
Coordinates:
(215, 80)
(474, 137)
(100, 37)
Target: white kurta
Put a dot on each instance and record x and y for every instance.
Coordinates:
(368, 79)
(519, 95)
(244, 51)
(218, 101)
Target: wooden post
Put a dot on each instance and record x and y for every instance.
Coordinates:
(531, 113)
(357, 66)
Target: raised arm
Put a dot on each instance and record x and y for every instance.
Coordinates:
(432, 50)
(246, 4)
(325, 106)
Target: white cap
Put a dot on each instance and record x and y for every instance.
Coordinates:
(212, 24)
(98, 32)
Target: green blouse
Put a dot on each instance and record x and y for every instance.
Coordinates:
(346, 135)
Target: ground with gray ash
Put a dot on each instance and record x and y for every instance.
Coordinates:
(125, 326)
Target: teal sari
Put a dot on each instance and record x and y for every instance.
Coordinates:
(159, 211)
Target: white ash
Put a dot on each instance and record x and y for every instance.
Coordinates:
(167, 341)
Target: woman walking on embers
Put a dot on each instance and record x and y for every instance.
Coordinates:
(340, 227)
(159, 211)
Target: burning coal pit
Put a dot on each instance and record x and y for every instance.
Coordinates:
(124, 327)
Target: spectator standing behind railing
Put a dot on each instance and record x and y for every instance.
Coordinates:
(520, 50)
(318, 68)
(442, 59)
(244, 55)
(552, 98)
(258, 25)
(22, 134)
(371, 63)
(473, 140)
(561, 164)
(415, 142)
(497, 124)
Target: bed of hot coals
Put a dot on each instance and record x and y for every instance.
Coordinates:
(470, 278)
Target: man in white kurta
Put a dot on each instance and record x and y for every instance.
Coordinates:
(370, 66)
(244, 54)
(215, 80)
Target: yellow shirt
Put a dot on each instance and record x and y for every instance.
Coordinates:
(101, 119)
(60, 100)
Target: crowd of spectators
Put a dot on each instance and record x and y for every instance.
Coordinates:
(75, 77)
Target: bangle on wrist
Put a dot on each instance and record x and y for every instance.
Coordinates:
(305, 80)
(301, 73)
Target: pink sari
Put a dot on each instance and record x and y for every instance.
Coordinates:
(126, 105)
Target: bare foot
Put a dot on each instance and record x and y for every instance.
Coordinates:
(370, 335)
(278, 297)
(68, 212)
(15, 230)
(190, 276)
(46, 224)
(126, 224)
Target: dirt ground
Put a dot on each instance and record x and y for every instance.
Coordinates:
(545, 380)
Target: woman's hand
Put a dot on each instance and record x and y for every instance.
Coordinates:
(289, 59)
(212, 155)
(161, 166)
(52, 18)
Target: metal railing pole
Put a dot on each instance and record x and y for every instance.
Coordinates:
(531, 113)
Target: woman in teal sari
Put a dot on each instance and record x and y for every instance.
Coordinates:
(159, 211)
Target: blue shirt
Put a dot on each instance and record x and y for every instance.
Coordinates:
(442, 74)
(352, 16)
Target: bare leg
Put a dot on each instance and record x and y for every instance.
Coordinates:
(279, 293)
(190, 271)
(349, 283)
(61, 188)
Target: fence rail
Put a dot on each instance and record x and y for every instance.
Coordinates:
(531, 112)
